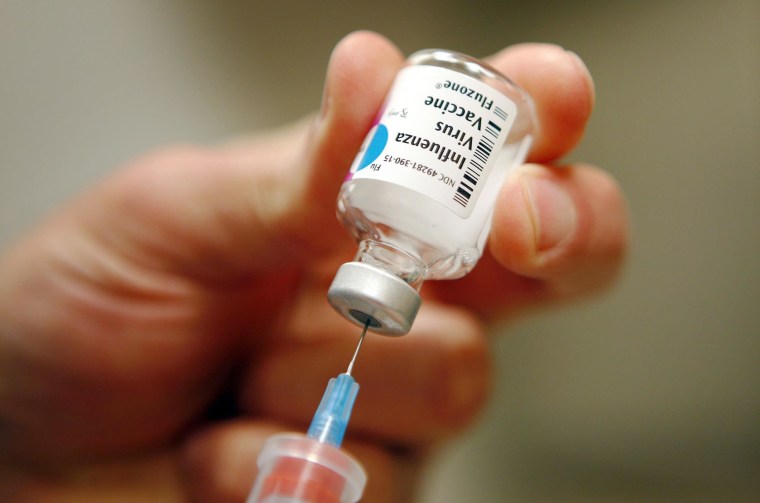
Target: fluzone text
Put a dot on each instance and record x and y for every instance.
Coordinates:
(470, 93)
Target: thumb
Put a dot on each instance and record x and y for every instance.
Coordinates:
(296, 212)
(361, 69)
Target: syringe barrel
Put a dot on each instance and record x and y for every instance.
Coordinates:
(294, 468)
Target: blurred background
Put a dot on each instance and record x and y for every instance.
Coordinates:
(651, 393)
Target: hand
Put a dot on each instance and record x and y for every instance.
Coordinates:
(154, 332)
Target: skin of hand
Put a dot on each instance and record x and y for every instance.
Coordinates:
(155, 331)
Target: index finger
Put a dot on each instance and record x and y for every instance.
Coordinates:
(561, 88)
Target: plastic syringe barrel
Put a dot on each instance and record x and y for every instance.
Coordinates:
(294, 468)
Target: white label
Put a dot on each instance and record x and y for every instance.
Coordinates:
(438, 134)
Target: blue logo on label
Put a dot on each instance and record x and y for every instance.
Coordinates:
(375, 147)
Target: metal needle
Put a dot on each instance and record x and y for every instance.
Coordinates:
(358, 347)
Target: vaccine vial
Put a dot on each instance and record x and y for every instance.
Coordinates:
(420, 193)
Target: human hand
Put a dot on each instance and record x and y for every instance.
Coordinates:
(195, 275)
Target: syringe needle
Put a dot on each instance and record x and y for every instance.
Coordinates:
(358, 347)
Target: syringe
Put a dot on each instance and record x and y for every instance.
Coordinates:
(311, 468)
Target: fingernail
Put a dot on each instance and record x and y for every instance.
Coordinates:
(552, 211)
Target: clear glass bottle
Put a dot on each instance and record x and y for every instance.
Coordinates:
(420, 194)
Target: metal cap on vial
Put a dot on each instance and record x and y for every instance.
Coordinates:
(368, 295)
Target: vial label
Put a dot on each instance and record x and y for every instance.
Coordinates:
(438, 134)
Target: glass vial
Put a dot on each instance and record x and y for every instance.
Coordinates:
(420, 193)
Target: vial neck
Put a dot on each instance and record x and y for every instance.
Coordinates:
(393, 260)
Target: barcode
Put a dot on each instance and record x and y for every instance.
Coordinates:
(477, 164)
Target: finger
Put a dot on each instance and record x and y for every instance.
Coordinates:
(567, 227)
(219, 464)
(557, 234)
(414, 389)
(561, 88)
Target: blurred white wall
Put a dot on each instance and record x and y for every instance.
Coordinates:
(649, 394)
